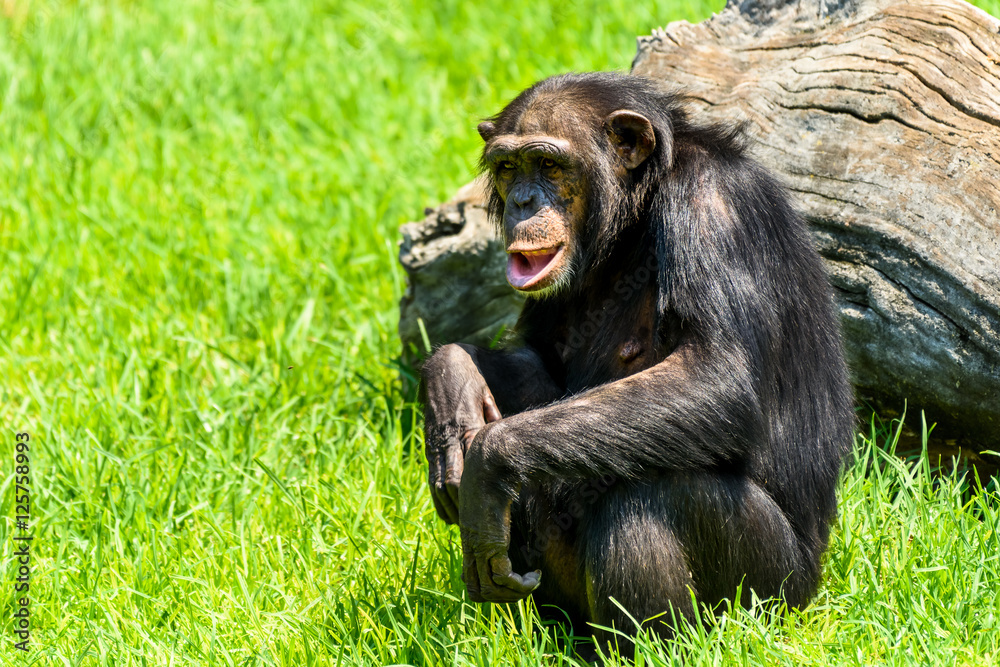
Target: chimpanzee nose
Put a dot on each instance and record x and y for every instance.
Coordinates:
(522, 197)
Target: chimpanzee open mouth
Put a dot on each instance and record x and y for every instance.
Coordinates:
(531, 270)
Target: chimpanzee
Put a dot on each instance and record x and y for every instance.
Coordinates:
(673, 416)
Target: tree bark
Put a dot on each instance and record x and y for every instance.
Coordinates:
(883, 119)
(457, 288)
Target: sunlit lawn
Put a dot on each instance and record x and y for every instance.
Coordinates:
(199, 206)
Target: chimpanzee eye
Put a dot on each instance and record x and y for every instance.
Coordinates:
(505, 165)
(548, 163)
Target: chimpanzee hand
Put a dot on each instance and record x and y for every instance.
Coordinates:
(458, 403)
(485, 523)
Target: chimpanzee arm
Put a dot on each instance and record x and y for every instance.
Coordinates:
(688, 412)
(694, 410)
(465, 388)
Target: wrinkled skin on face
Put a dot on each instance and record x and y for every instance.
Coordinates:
(543, 187)
(542, 173)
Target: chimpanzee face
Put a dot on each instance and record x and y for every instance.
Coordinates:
(542, 172)
(543, 187)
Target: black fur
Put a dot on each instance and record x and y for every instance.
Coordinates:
(717, 453)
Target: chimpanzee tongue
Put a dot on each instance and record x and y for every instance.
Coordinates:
(524, 269)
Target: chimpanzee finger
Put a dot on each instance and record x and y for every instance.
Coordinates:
(492, 592)
(491, 413)
(450, 501)
(450, 504)
(453, 467)
(438, 494)
(434, 481)
(471, 579)
(504, 594)
(449, 514)
(433, 470)
(485, 578)
(504, 576)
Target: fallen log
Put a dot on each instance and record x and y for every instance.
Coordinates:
(883, 119)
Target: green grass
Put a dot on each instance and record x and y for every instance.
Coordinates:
(198, 215)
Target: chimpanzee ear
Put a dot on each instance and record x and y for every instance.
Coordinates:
(631, 135)
(486, 130)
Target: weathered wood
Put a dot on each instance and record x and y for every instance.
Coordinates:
(456, 270)
(883, 118)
